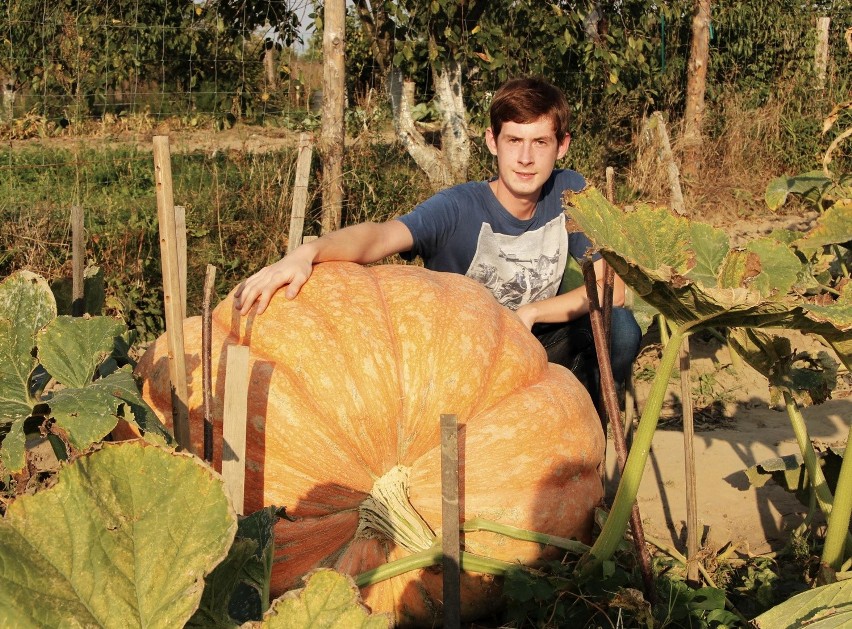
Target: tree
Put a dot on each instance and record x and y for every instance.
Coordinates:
(696, 86)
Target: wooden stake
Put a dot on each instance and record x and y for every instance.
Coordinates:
(450, 521)
(300, 192)
(234, 425)
(180, 242)
(610, 403)
(689, 465)
(207, 359)
(666, 158)
(171, 291)
(821, 52)
(78, 261)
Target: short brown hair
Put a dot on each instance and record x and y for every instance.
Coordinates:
(526, 100)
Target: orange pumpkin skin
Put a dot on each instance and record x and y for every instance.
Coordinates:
(349, 380)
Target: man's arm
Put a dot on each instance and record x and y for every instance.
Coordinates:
(570, 305)
(363, 243)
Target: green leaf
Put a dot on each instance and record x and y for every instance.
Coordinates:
(826, 607)
(839, 314)
(88, 414)
(809, 378)
(780, 266)
(238, 589)
(811, 185)
(654, 252)
(833, 227)
(71, 348)
(26, 305)
(329, 599)
(123, 539)
(711, 247)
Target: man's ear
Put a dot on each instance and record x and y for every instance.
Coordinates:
(491, 141)
(563, 146)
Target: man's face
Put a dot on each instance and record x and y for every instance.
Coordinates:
(526, 154)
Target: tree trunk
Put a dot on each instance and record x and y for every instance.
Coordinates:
(455, 140)
(269, 66)
(696, 86)
(333, 131)
(443, 167)
(7, 107)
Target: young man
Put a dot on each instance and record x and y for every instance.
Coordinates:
(507, 233)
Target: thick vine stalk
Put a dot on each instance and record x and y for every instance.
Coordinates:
(838, 526)
(616, 523)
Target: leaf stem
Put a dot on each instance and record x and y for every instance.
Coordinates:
(821, 491)
(616, 523)
(432, 557)
(479, 524)
(838, 526)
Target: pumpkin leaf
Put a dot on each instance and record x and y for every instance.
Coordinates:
(26, 305)
(329, 599)
(751, 287)
(88, 414)
(238, 588)
(810, 185)
(123, 539)
(711, 248)
(71, 348)
(833, 227)
(826, 607)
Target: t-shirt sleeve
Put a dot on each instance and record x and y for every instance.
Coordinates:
(431, 224)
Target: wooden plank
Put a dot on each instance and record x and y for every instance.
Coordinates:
(450, 521)
(300, 192)
(171, 290)
(207, 360)
(234, 424)
(78, 261)
(180, 240)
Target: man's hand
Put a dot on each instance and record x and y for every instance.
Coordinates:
(291, 271)
(527, 314)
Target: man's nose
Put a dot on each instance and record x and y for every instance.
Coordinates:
(526, 154)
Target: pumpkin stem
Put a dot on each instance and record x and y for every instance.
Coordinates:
(388, 512)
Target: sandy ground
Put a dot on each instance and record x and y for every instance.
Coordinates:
(742, 431)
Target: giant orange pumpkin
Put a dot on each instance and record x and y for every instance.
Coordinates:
(348, 382)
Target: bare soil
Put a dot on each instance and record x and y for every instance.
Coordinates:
(736, 426)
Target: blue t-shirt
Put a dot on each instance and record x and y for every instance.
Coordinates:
(466, 230)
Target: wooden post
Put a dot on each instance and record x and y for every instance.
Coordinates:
(450, 521)
(689, 468)
(821, 52)
(234, 425)
(333, 105)
(666, 159)
(207, 360)
(78, 261)
(180, 240)
(300, 192)
(171, 290)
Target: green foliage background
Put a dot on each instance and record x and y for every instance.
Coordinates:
(94, 81)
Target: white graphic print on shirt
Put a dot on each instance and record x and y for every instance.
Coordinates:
(522, 268)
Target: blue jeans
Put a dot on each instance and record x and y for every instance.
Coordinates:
(572, 345)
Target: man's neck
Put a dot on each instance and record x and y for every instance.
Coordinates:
(521, 208)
